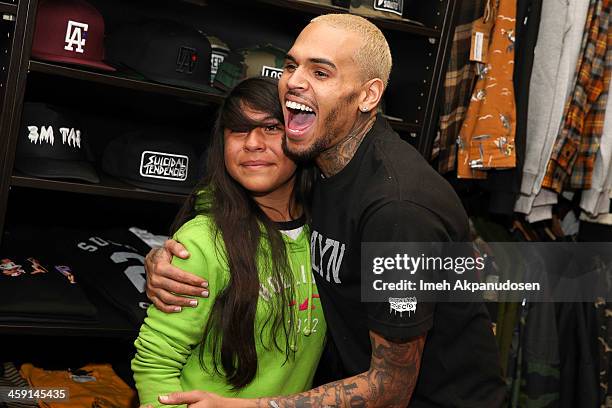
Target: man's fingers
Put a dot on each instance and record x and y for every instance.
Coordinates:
(172, 273)
(174, 300)
(164, 307)
(170, 285)
(176, 249)
(176, 398)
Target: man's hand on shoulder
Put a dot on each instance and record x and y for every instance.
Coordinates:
(165, 280)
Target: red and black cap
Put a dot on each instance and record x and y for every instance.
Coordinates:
(71, 32)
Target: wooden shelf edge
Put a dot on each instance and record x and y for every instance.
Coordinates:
(8, 8)
(396, 25)
(123, 82)
(64, 329)
(107, 187)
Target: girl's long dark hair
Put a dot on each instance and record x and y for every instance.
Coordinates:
(230, 331)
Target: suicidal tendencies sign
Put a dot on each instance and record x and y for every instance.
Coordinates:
(392, 6)
(166, 166)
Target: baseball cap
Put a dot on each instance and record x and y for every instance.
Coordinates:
(163, 51)
(153, 159)
(392, 9)
(71, 32)
(220, 50)
(263, 60)
(52, 145)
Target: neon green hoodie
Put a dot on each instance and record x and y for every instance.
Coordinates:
(168, 346)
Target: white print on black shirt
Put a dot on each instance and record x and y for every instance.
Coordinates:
(70, 136)
(322, 249)
(135, 273)
(165, 166)
(75, 37)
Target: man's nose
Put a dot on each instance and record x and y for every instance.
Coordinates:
(297, 80)
(255, 140)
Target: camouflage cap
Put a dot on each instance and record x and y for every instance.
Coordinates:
(265, 60)
(378, 8)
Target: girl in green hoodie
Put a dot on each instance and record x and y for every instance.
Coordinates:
(262, 331)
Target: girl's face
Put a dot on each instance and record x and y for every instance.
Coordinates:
(255, 158)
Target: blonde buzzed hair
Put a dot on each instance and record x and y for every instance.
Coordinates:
(374, 55)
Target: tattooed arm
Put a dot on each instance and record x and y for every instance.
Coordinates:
(389, 382)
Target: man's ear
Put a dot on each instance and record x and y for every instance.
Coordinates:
(371, 95)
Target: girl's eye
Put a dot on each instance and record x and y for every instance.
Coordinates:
(272, 128)
(290, 67)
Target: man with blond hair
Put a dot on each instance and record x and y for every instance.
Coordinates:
(374, 187)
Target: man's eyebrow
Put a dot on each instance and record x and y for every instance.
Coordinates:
(323, 61)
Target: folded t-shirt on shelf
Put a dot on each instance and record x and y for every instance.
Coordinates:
(93, 385)
(109, 262)
(35, 290)
(112, 262)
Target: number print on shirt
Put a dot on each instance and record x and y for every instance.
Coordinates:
(304, 323)
(333, 250)
(135, 273)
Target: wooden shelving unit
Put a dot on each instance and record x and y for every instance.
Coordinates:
(110, 324)
(409, 37)
(124, 82)
(108, 187)
(8, 8)
(406, 26)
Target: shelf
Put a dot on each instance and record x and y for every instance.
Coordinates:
(122, 82)
(47, 68)
(108, 187)
(396, 25)
(110, 324)
(8, 8)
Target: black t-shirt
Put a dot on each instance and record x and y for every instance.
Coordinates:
(388, 193)
(112, 262)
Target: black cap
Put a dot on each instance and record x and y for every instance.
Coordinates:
(163, 51)
(52, 145)
(152, 159)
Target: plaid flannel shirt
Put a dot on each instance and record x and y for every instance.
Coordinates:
(576, 146)
(458, 85)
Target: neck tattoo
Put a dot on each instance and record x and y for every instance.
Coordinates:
(334, 159)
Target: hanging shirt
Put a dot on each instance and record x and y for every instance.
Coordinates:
(583, 118)
(556, 54)
(487, 136)
(458, 84)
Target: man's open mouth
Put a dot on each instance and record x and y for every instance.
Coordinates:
(300, 117)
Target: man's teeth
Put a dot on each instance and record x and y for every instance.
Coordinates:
(299, 106)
